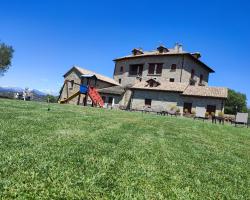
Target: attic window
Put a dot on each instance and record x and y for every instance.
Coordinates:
(162, 49)
(137, 52)
(153, 83)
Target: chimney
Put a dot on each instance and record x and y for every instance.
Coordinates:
(178, 48)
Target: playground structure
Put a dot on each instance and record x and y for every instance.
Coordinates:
(87, 90)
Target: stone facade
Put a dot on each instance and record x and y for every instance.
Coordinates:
(157, 79)
(166, 100)
(184, 65)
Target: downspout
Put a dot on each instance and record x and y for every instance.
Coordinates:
(182, 65)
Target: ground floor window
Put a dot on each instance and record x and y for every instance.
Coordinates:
(110, 100)
(148, 102)
(104, 98)
(211, 109)
(187, 107)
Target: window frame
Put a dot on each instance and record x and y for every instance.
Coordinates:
(138, 71)
(121, 70)
(210, 109)
(155, 69)
(148, 102)
(173, 69)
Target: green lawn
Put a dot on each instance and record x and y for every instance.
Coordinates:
(76, 152)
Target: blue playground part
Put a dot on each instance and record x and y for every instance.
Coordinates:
(83, 89)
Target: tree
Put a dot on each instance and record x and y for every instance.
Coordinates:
(51, 98)
(236, 102)
(6, 54)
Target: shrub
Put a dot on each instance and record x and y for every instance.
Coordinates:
(193, 112)
(221, 114)
(173, 107)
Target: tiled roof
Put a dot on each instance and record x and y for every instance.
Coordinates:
(169, 52)
(154, 52)
(205, 91)
(186, 89)
(112, 90)
(166, 86)
(99, 76)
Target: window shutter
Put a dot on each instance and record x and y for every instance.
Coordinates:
(151, 68)
(159, 68)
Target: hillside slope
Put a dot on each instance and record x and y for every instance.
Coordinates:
(77, 152)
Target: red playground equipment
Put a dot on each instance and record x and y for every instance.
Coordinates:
(88, 90)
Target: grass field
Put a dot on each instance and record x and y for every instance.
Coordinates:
(76, 152)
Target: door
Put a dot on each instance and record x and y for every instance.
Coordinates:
(187, 107)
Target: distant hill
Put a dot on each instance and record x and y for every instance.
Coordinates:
(11, 89)
(9, 92)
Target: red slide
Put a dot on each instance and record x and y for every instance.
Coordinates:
(95, 97)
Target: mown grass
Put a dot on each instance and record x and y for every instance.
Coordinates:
(76, 152)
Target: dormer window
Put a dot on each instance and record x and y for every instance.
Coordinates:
(162, 49)
(152, 83)
(155, 68)
(136, 52)
(192, 74)
(201, 80)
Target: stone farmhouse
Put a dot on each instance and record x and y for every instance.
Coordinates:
(160, 78)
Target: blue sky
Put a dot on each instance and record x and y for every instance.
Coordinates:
(49, 36)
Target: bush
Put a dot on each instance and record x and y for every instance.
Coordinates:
(221, 114)
(193, 112)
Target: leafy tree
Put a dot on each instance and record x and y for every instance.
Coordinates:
(51, 98)
(6, 54)
(236, 102)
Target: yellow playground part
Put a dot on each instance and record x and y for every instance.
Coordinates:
(70, 97)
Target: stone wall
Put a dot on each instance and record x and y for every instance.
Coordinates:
(180, 75)
(166, 100)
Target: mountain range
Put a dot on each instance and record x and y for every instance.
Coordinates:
(18, 90)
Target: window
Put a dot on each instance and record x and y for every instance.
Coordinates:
(148, 102)
(171, 79)
(211, 109)
(192, 74)
(187, 107)
(155, 68)
(121, 69)
(71, 85)
(173, 67)
(120, 80)
(104, 98)
(110, 100)
(136, 69)
(201, 78)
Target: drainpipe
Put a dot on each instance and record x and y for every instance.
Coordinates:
(182, 65)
